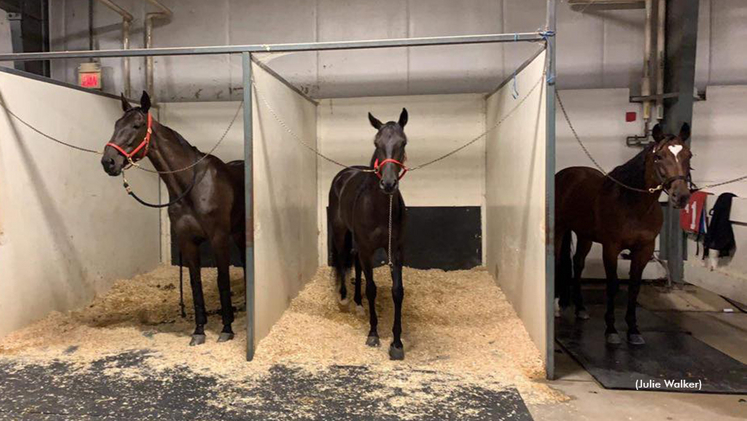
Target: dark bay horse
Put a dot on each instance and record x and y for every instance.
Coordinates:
(212, 206)
(597, 209)
(359, 206)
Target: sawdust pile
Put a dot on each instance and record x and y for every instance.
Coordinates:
(457, 323)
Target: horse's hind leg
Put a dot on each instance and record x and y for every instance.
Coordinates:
(639, 259)
(579, 261)
(610, 254)
(357, 297)
(222, 251)
(191, 255)
(342, 244)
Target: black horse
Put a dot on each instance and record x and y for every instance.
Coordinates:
(212, 206)
(361, 202)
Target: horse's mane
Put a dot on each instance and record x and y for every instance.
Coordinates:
(633, 172)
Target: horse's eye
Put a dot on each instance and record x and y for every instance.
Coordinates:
(657, 157)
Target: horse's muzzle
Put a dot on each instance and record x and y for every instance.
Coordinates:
(111, 166)
(388, 187)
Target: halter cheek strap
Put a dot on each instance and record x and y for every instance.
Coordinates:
(131, 156)
(378, 166)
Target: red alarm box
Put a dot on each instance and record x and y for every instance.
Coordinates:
(691, 215)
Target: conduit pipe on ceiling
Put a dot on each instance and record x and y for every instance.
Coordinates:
(163, 13)
(126, 22)
(660, 58)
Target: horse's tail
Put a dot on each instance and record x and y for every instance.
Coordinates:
(342, 260)
(565, 271)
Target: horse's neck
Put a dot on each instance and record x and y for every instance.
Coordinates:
(650, 182)
(638, 202)
(167, 153)
(373, 160)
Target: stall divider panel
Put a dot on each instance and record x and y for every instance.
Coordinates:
(284, 197)
(516, 197)
(67, 229)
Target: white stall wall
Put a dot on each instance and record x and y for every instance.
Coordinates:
(719, 148)
(67, 230)
(598, 116)
(285, 192)
(437, 124)
(515, 198)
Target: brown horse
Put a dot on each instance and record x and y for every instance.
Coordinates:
(599, 209)
(208, 199)
(359, 207)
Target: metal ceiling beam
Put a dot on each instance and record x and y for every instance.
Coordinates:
(277, 48)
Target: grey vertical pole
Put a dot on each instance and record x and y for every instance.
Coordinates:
(246, 64)
(550, 193)
(679, 77)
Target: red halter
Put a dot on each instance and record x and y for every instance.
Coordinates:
(378, 166)
(143, 145)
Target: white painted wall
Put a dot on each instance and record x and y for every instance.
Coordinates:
(595, 50)
(67, 230)
(515, 198)
(285, 192)
(437, 124)
(718, 143)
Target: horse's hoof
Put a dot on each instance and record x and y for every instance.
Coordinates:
(225, 337)
(343, 302)
(197, 340)
(373, 341)
(396, 354)
(613, 339)
(582, 315)
(360, 310)
(636, 339)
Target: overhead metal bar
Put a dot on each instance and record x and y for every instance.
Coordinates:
(278, 48)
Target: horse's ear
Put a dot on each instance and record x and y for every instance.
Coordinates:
(125, 103)
(403, 118)
(145, 102)
(375, 121)
(657, 133)
(685, 132)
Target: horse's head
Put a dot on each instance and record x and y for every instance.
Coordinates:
(389, 158)
(131, 136)
(672, 164)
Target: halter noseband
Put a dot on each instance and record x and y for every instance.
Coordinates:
(378, 166)
(131, 158)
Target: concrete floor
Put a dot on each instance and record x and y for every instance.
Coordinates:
(590, 401)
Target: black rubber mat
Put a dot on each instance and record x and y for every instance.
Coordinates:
(669, 355)
(62, 392)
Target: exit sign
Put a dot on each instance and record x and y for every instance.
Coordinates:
(90, 80)
(89, 75)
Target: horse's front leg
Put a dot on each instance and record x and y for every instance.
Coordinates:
(222, 251)
(639, 260)
(191, 254)
(396, 350)
(366, 260)
(610, 253)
